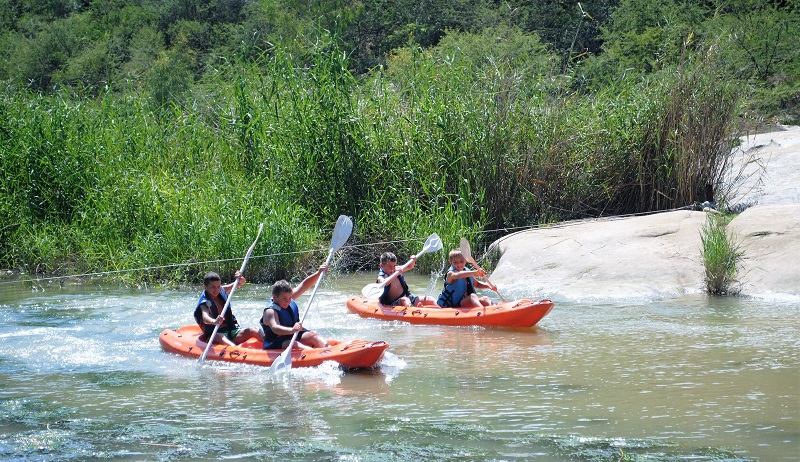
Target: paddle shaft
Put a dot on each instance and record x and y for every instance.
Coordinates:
(396, 274)
(432, 244)
(465, 248)
(308, 306)
(230, 296)
(340, 235)
(490, 282)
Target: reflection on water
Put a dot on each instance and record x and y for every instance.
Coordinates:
(82, 377)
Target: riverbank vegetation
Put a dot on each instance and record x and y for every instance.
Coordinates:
(722, 255)
(159, 134)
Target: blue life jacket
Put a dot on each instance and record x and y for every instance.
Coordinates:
(453, 293)
(230, 321)
(384, 298)
(286, 318)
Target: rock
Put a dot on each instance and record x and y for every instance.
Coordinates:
(770, 238)
(660, 255)
(653, 256)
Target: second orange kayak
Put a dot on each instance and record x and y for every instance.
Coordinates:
(518, 313)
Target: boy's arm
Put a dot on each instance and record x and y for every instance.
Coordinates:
(242, 281)
(478, 284)
(398, 272)
(308, 282)
(205, 312)
(386, 281)
(270, 318)
(453, 275)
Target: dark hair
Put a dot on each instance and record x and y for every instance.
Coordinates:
(212, 276)
(281, 287)
(387, 257)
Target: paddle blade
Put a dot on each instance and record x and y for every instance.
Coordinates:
(283, 362)
(466, 251)
(344, 226)
(373, 290)
(432, 244)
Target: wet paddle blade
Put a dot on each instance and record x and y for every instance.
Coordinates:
(283, 362)
(344, 226)
(373, 290)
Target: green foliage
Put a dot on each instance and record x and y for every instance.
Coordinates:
(647, 35)
(757, 42)
(752, 39)
(161, 132)
(146, 46)
(108, 186)
(721, 256)
(170, 78)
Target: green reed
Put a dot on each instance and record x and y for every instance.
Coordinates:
(722, 255)
(437, 141)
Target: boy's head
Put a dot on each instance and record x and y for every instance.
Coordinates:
(212, 284)
(457, 260)
(386, 257)
(455, 253)
(280, 287)
(282, 293)
(211, 276)
(388, 262)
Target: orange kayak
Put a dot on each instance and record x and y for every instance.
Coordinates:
(518, 313)
(354, 354)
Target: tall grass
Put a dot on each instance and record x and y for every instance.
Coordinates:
(446, 141)
(721, 256)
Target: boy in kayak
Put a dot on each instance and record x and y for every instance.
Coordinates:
(281, 319)
(460, 285)
(208, 311)
(395, 292)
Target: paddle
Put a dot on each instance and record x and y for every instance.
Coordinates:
(340, 234)
(465, 250)
(432, 244)
(230, 296)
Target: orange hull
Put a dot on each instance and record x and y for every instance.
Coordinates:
(354, 354)
(518, 313)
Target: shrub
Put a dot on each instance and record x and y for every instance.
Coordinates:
(721, 256)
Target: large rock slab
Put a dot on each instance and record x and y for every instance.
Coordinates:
(660, 256)
(768, 165)
(653, 256)
(769, 235)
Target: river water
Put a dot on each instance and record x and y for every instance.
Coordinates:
(82, 377)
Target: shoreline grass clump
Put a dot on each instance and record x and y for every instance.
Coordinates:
(722, 255)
